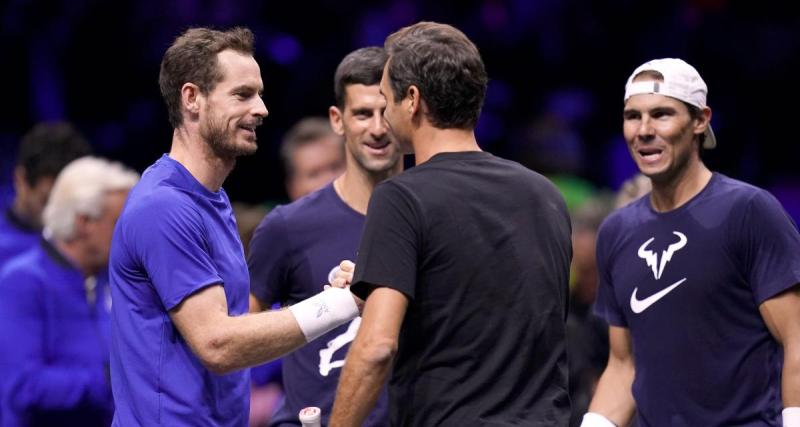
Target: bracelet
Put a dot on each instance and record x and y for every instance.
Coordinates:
(324, 311)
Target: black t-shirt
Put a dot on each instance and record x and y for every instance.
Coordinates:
(481, 247)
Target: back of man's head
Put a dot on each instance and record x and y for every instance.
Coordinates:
(446, 67)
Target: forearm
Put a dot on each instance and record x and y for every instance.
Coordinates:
(790, 378)
(360, 384)
(613, 398)
(252, 339)
(227, 343)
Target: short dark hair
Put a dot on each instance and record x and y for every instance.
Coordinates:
(446, 67)
(362, 66)
(304, 132)
(48, 147)
(193, 58)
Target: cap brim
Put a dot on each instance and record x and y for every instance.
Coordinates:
(711, 140)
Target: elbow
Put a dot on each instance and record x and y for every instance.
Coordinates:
(379, 352)
(214, 356)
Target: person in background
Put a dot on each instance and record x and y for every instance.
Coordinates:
(313, 155)
(43, 152)
(54, 347)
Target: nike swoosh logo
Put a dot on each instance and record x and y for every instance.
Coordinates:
(639, 306)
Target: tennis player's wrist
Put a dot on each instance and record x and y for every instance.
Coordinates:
(791, 416)
(593, 419)
(324, 311)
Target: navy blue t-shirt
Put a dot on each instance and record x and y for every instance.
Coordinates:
(291, 253)
(174, 237)
(687, 284)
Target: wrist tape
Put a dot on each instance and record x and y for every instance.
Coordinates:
(593, 419)
(324, 311)
(791, 416)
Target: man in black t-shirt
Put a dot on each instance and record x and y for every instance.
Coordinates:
(463, 263)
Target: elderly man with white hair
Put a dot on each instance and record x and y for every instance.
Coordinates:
(53, 322)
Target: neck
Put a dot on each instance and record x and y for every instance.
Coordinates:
(73, 251)
(189, 149)
(429, 141)
(355, 185)
(674, 193)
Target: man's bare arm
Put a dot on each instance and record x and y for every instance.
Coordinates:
(370, 357)
(782, 316)
(613, 399)
(227, 343)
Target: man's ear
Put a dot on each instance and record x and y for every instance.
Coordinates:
(702, 123)
(412, 100)
(191, 98)
(335, 116)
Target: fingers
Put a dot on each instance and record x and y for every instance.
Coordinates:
(347, 266)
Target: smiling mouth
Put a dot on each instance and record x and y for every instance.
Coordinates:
(650, 154)
(378, 145)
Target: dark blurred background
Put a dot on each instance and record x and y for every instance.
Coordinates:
(557, 69)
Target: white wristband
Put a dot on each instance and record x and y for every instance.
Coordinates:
(324, 311)
(791, 416)
(593, 419)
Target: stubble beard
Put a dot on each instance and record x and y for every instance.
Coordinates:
(222, 141)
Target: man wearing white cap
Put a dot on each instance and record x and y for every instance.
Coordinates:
(698, 279)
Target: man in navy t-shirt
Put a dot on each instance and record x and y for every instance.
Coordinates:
(182, 338)
(698, 280)
(297, 245)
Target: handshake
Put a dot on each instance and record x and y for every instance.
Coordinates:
(341, 276)
(330, 308)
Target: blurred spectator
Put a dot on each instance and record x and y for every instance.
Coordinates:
(632, 189)
(313, 156)
(43, 152)
(53, 349)
(587, 334)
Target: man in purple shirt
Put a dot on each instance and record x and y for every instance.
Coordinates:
(297, 245)
(182, 338)
(698, 279)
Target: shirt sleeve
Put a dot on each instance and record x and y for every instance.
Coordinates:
(391, 242)
(171, 241)
(771, 248)
(29, 380)
(606, 306)
(269, 259)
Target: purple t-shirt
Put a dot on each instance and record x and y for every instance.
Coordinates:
(173, 238)
(291, 253)
(687, 284)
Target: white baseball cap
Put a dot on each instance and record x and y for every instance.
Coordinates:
(681, 81)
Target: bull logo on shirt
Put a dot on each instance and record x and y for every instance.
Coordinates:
(652, 257)
(326, 362)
